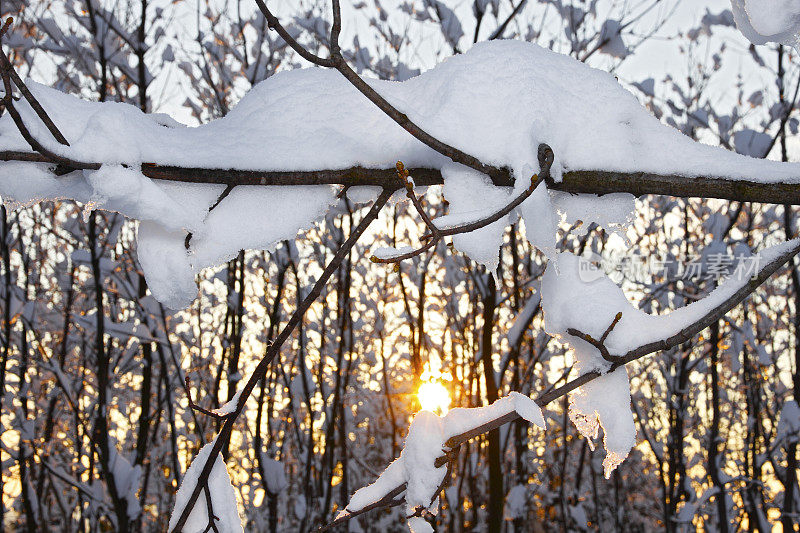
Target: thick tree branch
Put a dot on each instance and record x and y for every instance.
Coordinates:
(703, 186)
(575, 181)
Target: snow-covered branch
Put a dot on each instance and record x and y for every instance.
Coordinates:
(597, 182)
(462, 425)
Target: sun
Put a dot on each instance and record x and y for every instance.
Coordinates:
(433, 395)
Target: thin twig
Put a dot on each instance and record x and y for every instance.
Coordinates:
(224, 194)
(498, 33)
(212, 518)
(199, 409)
(274, 350)
(9, 74)
(390, 500)
(5, 64)
(403, 174)
(600, 344)
(545, 154)
(337, 61)
(6, 26)
(274, 24)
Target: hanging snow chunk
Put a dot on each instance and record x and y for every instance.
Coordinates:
(223, 497)
(605, 401)
(472, 196)
(425, 443)
(126, 190)
(166, 266)
(415, 467)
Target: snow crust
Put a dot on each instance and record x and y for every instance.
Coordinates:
(764, 21)
(166, 265)
(498, 101)
(573, 299)
(229, 406)
(462, 419)
(223, 497)
(611, 211)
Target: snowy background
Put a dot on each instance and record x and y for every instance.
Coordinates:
(104, 318)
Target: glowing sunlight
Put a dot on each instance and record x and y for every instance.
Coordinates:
(433, 395)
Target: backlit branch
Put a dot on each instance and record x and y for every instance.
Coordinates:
(274, 349)
(686, 334)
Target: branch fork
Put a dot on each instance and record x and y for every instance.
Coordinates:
(195, 407)
(431, 239)
(212, 518)
(600, 343)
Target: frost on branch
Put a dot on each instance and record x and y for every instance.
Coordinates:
(577, 297)
(425, 443)
(223, 498)
(497, 102)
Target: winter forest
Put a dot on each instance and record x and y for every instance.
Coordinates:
(399, 265)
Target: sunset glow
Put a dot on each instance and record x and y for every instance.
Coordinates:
(433, 395)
